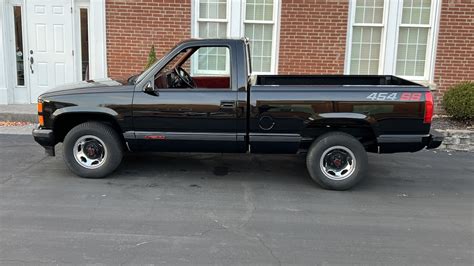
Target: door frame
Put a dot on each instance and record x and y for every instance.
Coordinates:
(77, 6)
(97, 46)
(8, 87)
(4, 54)
(19, 92)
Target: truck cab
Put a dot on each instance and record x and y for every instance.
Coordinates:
(194, 99)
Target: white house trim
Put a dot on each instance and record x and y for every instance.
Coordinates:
(97, 40)
(434, 40)
(276, 44)
(9, 91)
(78, 5)
(236, 16)
(4, 95)
(390, 38)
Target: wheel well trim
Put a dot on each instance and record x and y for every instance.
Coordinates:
(84, 110)
(343, 115)
(108, 114)
(331, 118)
(323, 120)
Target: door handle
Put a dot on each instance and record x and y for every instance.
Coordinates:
(32, 61)
(227, 104)
(31, 65)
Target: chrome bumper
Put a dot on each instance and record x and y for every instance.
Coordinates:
(45, 138)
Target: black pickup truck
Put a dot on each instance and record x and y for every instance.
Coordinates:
(202, 97)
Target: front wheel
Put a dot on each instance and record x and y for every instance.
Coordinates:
(337, 161)
(92, 150)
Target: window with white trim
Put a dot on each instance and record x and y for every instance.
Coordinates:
(367, 37)
(212, 23)
(413, 38)
(392, 38)
(254, 19)
(212, 19)
(258, 24)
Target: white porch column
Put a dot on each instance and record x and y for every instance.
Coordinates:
(97, 41)
(3, 57)
(235, 23)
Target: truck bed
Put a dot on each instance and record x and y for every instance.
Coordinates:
(383, 107)
(338, 80)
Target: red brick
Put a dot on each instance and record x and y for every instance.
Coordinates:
(134, 26)
(313, 36)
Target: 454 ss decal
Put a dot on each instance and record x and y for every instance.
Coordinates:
(395, 96)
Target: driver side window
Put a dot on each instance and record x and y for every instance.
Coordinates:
(198, 67)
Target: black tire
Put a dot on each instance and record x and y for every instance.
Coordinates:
(338, 143)
(113, 151)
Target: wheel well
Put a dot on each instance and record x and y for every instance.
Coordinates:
(361, 130)
(64, 123)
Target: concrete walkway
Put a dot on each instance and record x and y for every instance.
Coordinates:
(17, 130)
(18, 112)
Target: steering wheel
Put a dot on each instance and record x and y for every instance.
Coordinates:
(185, 77)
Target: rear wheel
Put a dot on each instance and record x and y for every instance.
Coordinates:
(337, 161)
(92, 150)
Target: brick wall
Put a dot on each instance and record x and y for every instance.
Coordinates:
(455, 53)
(313, 36)
(133, 26)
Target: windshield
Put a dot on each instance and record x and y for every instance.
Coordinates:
(143, 74)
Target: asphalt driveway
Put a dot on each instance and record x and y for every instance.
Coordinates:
(234, 209)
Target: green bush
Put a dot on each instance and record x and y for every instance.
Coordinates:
(151, 57)
(458, 101)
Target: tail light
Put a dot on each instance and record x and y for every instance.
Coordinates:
(428, 108)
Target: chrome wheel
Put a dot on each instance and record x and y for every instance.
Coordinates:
(337, 163)
(90, 152)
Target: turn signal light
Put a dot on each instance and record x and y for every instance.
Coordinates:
(429, 106)
(41, 120)
(40, 113)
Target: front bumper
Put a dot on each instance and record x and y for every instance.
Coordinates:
(45, 138)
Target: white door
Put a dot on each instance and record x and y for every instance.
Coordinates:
(50, 44)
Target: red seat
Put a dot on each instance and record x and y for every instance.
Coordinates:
(211, 82)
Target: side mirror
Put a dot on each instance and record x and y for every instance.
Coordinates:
(131, 80)
(149, 89)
